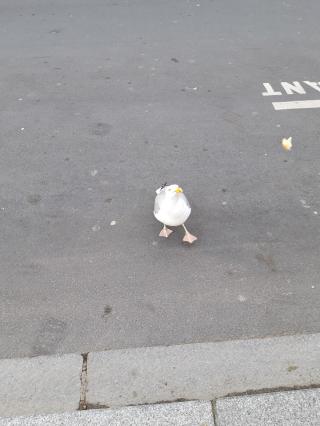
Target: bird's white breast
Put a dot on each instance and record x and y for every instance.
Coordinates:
(173, 211)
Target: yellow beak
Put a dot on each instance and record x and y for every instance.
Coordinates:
(179, 190)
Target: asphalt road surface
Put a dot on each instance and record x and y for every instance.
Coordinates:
(101, 102)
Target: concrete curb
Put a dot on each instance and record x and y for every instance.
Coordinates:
(39, 385)
(204, 371)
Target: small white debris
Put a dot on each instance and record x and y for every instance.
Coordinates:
(278, 125)
(198, 5)
(154, 243)
(194, 88)
(241, 298)
(315, 212)
(224, 203)
(114, 222)
(265, 154)
(312, 286)
(94, 172)
(22, 129)
(20, 99)
(304, 204)
(95, 228)
(287, 143)
(59, 84)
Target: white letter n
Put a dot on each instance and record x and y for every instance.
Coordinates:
(294, 87)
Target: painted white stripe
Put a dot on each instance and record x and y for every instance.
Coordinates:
(313, 103)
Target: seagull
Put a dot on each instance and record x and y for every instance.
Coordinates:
(172, 208)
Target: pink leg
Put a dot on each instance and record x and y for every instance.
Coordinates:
(165, 232)
(188, 238)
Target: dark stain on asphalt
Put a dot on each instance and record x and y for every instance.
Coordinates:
(55, 31)
(101, 129)
(174, 60)
(106, 311)
(34, 198)
(31, 268)
(108, 200)
(150, 306)
(268, 260)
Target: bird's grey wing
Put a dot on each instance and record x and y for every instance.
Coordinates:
(187, 201)
(156, 206)
(157, 202)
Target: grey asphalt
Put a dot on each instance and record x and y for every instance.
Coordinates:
(103, 101)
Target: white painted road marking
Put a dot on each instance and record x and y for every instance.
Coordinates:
(292, 88)
(269, 90)
(313, 84)
(313, 103)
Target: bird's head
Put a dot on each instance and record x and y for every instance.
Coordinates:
(171, 190)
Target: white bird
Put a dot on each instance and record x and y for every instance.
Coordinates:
(172, 208)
